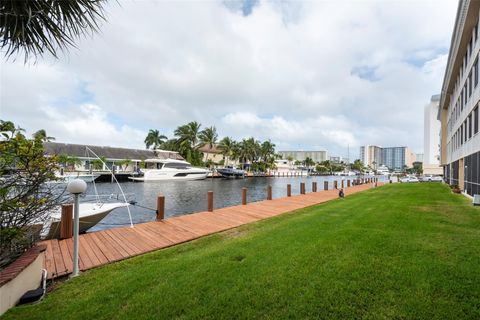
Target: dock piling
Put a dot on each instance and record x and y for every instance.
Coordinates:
(210, 201)
(269, 192)
(314, 187)
(289, 190)
(325, 185)
(244, 196)
(302, 187)
(66, 221)
(160, 208)
(343, 184)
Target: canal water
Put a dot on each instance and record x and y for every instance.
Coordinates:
(185, 197)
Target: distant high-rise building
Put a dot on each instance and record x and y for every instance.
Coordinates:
(317, 156)
(371, 156)
(419, 157)
(431, 138)
(459, 103)
(395, 158)
(336, 159)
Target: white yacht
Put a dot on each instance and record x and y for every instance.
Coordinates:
(168, 169)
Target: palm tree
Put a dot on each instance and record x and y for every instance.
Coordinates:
(154, 138)
(7, 127)
(208, 136)
(189, 134)
(309, 162)
(227, 145)
(248, 151)
(42, 136)
(267, 150)
(188, 139)
(36, 27)
(171, 145)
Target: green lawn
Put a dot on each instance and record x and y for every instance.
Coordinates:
(399, 251)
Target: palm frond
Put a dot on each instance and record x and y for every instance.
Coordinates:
(34, 27)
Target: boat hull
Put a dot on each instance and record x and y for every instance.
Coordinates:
(163, 175)
(90, 215)
(232, 173)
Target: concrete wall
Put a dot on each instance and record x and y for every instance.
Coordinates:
(28, 279)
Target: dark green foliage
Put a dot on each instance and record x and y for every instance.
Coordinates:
(33, 27)
(25, 196)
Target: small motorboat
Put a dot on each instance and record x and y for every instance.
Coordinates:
(67, 177)
(232, 173)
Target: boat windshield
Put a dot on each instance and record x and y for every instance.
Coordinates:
(177, 165)
(153, 165)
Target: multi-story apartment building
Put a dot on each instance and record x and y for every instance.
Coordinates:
(431, 138)
(317, 156)
(458, 112)
(395, 158)
(336, 159)
(371, 156)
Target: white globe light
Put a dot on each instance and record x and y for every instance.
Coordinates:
(77, 186)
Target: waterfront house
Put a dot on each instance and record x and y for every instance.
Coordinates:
(124, 159)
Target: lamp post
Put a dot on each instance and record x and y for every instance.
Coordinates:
(76, 187)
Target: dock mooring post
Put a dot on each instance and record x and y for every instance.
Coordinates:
(314, 187)
(335, 184)
(348, 183)
(66, 221)
(210, 201)
(302, 187)
(325, 185)
(343, 184)
(160, 208)
(244, 196)
(289, 190)
(269, 192)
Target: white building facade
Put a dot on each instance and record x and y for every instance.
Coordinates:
(371, 156)
(431, 137)
(459, 103)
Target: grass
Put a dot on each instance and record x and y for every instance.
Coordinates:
(400, 251)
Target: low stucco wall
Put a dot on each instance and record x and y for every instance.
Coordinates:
(27, 279)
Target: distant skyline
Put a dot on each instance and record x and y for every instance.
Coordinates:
(308, 75)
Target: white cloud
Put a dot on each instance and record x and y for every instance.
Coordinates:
(283, 72)
(89, 123)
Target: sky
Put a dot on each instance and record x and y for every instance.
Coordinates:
(313, 75)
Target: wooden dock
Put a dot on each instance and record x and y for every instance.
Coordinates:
(106, 246)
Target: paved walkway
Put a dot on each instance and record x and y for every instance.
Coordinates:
(102, 247)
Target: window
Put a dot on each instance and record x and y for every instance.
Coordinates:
(465, 95)
(470, 84)
(475, 74)
(470, 125)
(475, 120)
(461, 134)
